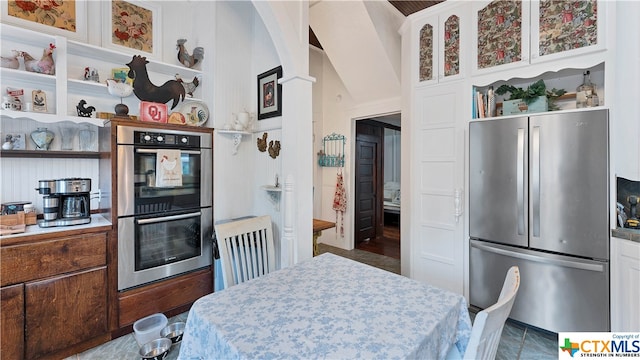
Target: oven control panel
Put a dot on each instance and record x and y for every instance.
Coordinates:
(167, 140)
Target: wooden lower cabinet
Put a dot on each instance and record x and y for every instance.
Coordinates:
(12, 322)
(54, 294)
(64, 311)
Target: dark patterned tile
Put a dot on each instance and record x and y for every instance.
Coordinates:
(510, 341)
(539, 345)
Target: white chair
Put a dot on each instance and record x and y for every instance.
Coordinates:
(246, 249)
(488, 324)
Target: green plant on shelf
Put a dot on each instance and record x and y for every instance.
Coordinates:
(533, 91)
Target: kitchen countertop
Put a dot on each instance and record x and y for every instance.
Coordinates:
(627, 234)
(97, 220)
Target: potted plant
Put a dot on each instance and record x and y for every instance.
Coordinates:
(536, 98)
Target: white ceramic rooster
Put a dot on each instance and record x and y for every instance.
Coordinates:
(121, 90)
(11, 62)
(45, 65)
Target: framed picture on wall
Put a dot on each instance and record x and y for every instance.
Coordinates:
(269, 94)
(132, 26)
(65, 18)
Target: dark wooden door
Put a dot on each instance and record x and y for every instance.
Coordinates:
(368, 182)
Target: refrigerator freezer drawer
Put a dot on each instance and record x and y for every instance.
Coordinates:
(557, 293)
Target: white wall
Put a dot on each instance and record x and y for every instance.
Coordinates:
(316, 59)
(336, 102)
(339, 112)
(233, 31)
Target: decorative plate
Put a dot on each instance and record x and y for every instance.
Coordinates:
(196, 113)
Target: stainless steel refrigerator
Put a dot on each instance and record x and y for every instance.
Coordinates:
(539, 199)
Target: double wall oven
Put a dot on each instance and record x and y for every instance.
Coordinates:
(164, 203)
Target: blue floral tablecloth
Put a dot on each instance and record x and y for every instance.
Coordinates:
(327, 307)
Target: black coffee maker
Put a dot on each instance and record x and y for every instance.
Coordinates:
(633, 222)
(66, 202)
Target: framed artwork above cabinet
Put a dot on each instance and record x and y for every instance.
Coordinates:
(514, 33)
(567, 28)
(501, 34)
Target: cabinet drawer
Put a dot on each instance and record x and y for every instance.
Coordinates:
(38, 260)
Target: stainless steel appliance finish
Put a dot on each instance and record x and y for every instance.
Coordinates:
(137, 143)
(50, 207)
(67, 202)
(539, 199)
(172, 253)
(556, 291)
(73, 186)
(163, 231)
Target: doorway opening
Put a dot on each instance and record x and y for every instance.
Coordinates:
(377, 185)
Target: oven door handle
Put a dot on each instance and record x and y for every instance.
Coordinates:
(155, 151)
(167, 218)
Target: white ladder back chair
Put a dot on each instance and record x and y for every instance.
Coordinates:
(246, 249)
(488, 323)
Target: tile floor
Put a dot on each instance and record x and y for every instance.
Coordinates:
(518, 342)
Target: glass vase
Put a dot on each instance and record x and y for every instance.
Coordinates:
(42, 138)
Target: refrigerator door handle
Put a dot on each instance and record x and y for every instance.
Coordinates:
(520, 181)
(576, 264)
(535, 180)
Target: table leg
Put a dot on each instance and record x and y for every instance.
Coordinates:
(316, 235)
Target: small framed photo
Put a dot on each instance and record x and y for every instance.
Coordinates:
(65, 18)
(269, 94)
(120, 75)
(39, 100)
(132, 26)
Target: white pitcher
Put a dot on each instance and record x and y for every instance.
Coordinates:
(243, 120)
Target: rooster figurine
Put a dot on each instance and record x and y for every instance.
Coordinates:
(11, 62)
(84, 110)
(262, 143)
(186, 59)
(274, 148)
(189, 88)
(42, 66)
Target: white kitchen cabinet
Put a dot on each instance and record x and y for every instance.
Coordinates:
(437, 171)
(511, 34)
(625, 285)
(442, 39)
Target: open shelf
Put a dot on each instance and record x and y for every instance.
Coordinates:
(49, 154)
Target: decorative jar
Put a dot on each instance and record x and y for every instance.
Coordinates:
(42, 137)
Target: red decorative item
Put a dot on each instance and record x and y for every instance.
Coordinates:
(153, 112)
(340, 202)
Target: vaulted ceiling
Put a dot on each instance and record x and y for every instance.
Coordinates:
(404, 6)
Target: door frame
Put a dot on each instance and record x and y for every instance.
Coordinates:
(379, 118)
